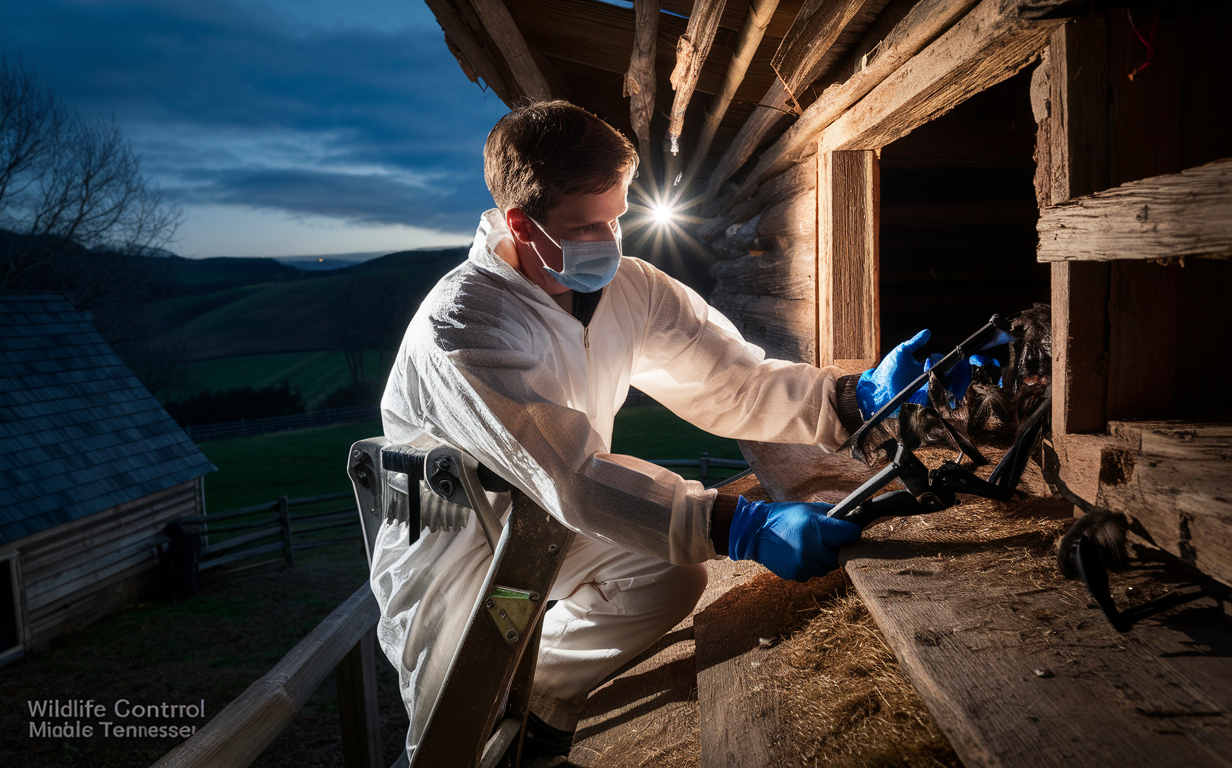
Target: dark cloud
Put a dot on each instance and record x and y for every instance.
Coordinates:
(219, 92)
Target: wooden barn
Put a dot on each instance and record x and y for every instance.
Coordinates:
(851, 171)
(91, 470)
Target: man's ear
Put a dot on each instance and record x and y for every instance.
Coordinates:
(519, 224)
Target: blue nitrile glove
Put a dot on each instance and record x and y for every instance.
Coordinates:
(878, 386)
(959, 377)
(983, 361)
(794, 539)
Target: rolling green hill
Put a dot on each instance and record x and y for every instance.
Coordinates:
(222, 308)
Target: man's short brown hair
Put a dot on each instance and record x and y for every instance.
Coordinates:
(546, 149)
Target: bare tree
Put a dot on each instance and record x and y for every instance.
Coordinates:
(67, 188)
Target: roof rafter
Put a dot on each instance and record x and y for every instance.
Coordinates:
(756, 20)
(641, 80)
(691, 51)
(798, 61)
(500, 25)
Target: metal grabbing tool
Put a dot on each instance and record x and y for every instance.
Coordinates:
(974, 343)
(934, 490)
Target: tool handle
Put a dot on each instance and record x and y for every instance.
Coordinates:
(893, 504)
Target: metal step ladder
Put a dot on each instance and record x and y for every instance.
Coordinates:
(495, 662)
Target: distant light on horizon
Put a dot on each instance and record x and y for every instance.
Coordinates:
(231, 230)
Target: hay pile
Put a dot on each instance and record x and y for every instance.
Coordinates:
(846, 700)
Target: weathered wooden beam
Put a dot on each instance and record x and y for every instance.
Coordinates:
(751, 32)
(1173, 479)
(988, 45)
(238, 734)
(848, 302)
(500, 26)
(771, 111)
(600, 37)
(691, 51)
(1078, 159)
(922, 24)
(1177, 215)
(814, 30)
(478, 58)
(641, 80)
(780, 274)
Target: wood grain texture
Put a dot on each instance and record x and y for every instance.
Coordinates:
(988, 45)
(1174, 479)
(783, 275)
(813, 31)
(848, 279)
(641, 81)
(467, 43)
(1079, 347)
(691, 51)
(783, 327)
(1177, 215)
(1016, 667)
(741, 713)
(800, 177)
(756, 19)
(794, 220)
(922, 24)
(500, 26)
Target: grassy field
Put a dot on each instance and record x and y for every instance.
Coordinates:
(314, 374)
(311, 462)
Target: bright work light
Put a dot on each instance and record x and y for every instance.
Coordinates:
(662, 213)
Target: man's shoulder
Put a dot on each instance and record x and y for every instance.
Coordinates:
(469, 308)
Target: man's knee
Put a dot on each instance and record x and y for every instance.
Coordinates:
(688, 584)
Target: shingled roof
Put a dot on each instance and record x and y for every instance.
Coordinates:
(79, 433)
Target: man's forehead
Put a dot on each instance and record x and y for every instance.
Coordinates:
(582, 209)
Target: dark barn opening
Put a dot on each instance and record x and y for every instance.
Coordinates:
(958, 214)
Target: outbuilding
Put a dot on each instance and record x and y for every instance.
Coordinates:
(91, 470)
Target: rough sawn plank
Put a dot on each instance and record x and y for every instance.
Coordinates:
(1019, 670)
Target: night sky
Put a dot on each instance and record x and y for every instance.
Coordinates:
(281, 127)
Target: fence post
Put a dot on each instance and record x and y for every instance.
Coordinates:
(358, 710)
(704, 463)
(284, 511)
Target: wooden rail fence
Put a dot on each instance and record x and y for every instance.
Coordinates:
(203, 432)
(279, 523)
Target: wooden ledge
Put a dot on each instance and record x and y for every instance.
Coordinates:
(1017, 665)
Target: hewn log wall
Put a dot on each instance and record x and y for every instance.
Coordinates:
(767, 269)
(1131, 334)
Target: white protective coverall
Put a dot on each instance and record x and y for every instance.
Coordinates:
(493, 365)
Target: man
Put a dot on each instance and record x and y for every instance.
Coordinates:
(521, 357)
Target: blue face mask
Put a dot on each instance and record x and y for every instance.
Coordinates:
(587, 265)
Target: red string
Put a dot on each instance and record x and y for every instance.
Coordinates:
(1148, 42)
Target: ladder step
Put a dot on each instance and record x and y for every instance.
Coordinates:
(499, 743)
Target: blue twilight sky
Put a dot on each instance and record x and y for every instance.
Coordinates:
(282, 127)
